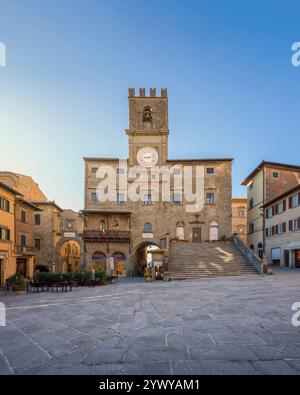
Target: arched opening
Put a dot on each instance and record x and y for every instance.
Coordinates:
(115, 225)
(180, 230)
(251, 247)
(147, 114)
(120, 263)
(99, 261)
(102, 226)
(143, 257)
(260, 250)
(148, 228)
(70, 257)
(214, 231)
(41, 268)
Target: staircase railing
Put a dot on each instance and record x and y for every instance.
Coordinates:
(250, 255)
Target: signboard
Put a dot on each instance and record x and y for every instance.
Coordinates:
(276, 254)
(70, 235)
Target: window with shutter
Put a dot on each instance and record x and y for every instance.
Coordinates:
(290, 201)
(284, 227)
(284, 205)
(290, 225)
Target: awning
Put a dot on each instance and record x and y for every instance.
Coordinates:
(293, 246)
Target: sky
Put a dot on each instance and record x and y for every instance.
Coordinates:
(233, 91)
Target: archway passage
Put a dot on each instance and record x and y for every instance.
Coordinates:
(143, 257)
(70, 257)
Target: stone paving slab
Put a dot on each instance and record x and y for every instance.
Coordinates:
(232, 325)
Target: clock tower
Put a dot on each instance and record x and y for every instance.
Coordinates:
(148, 127)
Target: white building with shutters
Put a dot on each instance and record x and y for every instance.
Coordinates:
(282, 229)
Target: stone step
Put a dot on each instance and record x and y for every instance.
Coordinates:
(201, 260)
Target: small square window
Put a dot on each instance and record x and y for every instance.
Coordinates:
(210, 170)
(94, 170)
(148, 199)
(37, 219)
(121, 198)
(210, 198)
(176, 171)
(251, 203)
(275, 174)
(94, 197)
(177, 198)
(23, 216)
(120, 171)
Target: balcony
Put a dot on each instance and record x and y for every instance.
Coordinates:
(96, 236)
(25, 250)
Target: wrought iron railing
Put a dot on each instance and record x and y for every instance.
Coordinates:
(98, 235)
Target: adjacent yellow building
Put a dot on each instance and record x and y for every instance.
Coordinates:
(8, 197)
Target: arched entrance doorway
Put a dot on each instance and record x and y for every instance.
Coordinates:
(142, 257)
(70, 257)
(120, 263)
(99, 261)
(260, 250)
(213, 231)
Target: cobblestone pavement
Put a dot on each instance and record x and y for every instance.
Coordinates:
(236, 325)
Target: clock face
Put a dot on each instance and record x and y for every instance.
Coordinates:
(147, 157)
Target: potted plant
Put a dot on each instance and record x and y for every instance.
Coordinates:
(18, 284)
(100, 276)
(148, 275)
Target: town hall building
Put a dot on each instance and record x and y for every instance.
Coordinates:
(120, 231)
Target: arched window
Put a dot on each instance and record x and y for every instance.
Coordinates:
(260, 250)
(102, 226)
(119, 264)
(252, 247)
(99, 260)
(115, 225)
(147, 114)
(148, 228)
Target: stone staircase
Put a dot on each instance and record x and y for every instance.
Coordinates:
(198, 260)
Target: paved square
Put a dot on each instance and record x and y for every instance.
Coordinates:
(234, 325)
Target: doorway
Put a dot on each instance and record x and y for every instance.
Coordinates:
(1, 273)
(143, 258)
(287, 258)
(297, 259)
(197, 235)
(22, 266)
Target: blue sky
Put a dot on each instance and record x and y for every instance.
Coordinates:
(233, 91)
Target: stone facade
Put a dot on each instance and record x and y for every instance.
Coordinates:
(265, 182)
(24, 241)
(124, 227)
(8, 198)
(23, 184)
(282, 219)
(51, 225)
(239, 217)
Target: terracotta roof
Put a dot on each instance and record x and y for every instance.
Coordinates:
(9, 189)
(290, 191)
(265, 163)
(31, 205)
(47, 202)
